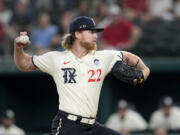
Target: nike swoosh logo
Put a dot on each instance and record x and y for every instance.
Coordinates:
(66, 62)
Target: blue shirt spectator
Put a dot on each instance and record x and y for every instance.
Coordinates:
(42, 37)
(43, 33)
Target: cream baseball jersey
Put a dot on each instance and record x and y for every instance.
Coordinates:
(78, 80)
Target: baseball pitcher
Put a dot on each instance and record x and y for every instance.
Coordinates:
(79, 73)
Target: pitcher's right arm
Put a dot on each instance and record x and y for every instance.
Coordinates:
(22, 60)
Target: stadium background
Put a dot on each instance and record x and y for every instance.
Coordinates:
(33, 95)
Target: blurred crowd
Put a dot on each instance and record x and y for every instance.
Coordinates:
(46, 21)
(8, 124)
(127, 119)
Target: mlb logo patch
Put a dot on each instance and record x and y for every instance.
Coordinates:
(82, 26)
(96, 62)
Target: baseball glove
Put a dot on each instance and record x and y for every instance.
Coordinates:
(126, 73)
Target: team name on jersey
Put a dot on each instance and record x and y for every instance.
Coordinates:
(69, 75)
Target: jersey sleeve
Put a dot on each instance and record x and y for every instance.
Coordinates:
(117, 56)
(44, 62)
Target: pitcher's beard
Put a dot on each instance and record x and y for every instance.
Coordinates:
(89, 45)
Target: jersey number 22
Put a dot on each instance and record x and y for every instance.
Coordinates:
(94, 75)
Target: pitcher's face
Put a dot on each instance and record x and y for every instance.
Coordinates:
(88, 39)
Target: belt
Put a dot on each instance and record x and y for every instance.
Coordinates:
(73, 117)
(84, 120)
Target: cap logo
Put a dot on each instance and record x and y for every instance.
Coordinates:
(82, 26)
(93, 21)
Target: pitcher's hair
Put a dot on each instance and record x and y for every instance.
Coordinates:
(68, 40)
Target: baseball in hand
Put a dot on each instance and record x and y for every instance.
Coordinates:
(23, 39)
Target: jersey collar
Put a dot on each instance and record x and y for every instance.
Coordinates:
(70, 54)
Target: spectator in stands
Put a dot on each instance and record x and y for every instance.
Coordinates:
(126, 120)
(8, 126)
(22, 16)
(102, 12)
(124, 34)
(63, 27)
(5, 13)
(134, 9)
(2, 34)
(64, 21)
(67, 4)
(82, 9)
(19, 18)
(56, 43)
(45, 5)
(177, 9)
(41, 36)
(161, 9)
(109, 13)
(167, 117)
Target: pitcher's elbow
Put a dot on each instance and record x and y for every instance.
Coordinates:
(22, 68)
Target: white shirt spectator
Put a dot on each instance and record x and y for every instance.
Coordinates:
(113, 10)
(5, 13)
(177, 8)
(133, 121)
(161, 9)
(12, 130)
(159, 120)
